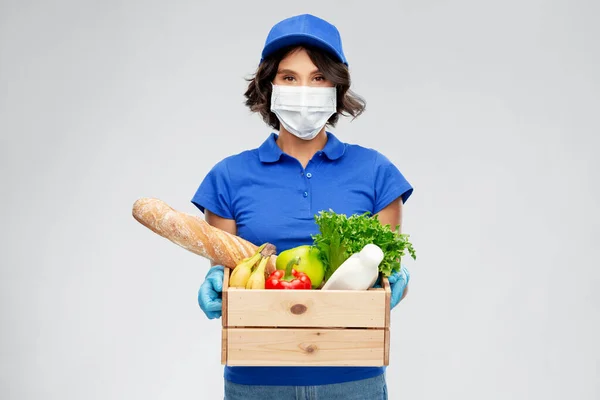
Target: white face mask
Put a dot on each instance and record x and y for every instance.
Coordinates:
(303, 110)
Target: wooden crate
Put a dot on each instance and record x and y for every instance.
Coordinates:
(305, 327)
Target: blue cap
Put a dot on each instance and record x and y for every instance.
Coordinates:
(305, 29)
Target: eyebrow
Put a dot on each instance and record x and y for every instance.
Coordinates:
(291, 72)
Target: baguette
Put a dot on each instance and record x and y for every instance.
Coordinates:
(195, 234)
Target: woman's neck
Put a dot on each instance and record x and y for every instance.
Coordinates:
(300, 149)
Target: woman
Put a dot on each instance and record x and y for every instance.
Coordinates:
(272, 193)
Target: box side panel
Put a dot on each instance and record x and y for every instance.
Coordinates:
(388, 298)
(307, 347)
(224, 294)
(223, 346)
(306, 308)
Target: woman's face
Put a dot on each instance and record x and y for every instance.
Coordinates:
(297, 69)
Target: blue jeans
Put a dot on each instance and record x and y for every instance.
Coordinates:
(365, 389)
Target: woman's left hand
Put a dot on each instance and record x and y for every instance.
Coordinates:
(398, 284)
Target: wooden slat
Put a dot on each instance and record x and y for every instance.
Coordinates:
(303, 346)
(388, 299)
(224, 315)
(224, 307)
(386, 347)
(223, 346)
(306, 308)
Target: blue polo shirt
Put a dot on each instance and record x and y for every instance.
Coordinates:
(274, 199)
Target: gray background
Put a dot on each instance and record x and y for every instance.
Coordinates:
(490, 109)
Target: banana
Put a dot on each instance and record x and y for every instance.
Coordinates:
(242, 271)
(257, 279)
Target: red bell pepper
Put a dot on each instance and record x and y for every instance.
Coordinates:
(288, 278)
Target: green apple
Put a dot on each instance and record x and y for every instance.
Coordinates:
(310, 263)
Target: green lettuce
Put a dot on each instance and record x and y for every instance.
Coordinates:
(340, 236)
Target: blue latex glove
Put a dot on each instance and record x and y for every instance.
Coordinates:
(209, 295)
(398, 282)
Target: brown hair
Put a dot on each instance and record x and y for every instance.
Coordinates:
(258, 94)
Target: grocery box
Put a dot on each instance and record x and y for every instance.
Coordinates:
(266, 327)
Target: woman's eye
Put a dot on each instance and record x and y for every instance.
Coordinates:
(288, 78)
(319, 78)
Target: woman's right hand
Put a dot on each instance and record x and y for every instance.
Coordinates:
(209, 295)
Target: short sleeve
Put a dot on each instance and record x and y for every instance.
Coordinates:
(214, 192)
(389, 183)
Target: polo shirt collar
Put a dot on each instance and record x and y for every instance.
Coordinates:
(270, 152)
(334, 148)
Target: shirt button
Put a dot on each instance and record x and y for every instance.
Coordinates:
(305, 194)
(308, 174)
